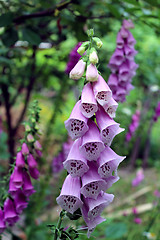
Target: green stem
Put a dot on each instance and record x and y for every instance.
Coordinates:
(61, 216)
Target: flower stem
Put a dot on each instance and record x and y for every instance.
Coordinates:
(61, 216)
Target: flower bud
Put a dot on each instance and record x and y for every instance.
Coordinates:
(33, 120)
(93, 57)
(98, 42)
(78, 70)
(25, 150)
(30, 138)
(36, 127)
(91, 73)
(27, 128)
(90, 32)
(127, 24)
(81, 50)
(37, 145)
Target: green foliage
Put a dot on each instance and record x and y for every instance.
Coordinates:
(6, 19)
(116, 230)
(9, 37)
(3, 147)
(30, 36)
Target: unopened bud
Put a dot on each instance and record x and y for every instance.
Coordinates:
(90, 32)
(33, 120)
(78, 70)
(36, 127)
(27, 128)
(98, 42)
(91, 73)
(37, 145)
(83, 47)
(93, 57)
(40, 132)
(25, 150)
(81, 50)
(30, 138)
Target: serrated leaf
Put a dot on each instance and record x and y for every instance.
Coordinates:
(116, 230)
(9, 37)
(31, 37)
(6, 19)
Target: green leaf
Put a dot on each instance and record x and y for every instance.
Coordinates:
(114, 11)
(6, 19)
(133, 2)
(31, 37)
(9, 37)
(5, 60)
(154, 3)
(116, 230)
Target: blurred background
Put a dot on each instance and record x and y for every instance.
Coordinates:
(36, 38)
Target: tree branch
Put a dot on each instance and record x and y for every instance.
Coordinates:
(45, 13)
(13, 100)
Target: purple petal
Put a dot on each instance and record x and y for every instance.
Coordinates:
(88, 103)
(76, 125)
(113, 81)
(69, 198)
(73, 58)
(91, 224)
(121, 94)
(111, 180)
(124, 33)
(102, 91)
(113, 67)
(78, 70)
(133, 66)
(92, 183)
(129, 52)
(17, 177)
(129, 87)
(127, 24)
(108, 162)
(12, 188)
(117, 57)
(75, 163)
(92, 144)
(34, 172)
(20, 201)
(25, 150)
(120, 40)
(28, 188)
(130, 40)
(96, 206)
(31, 161)
(124, 71)
(20, 162)
(109, 128)
(10, 214)
(111, 107)
(2, 221)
